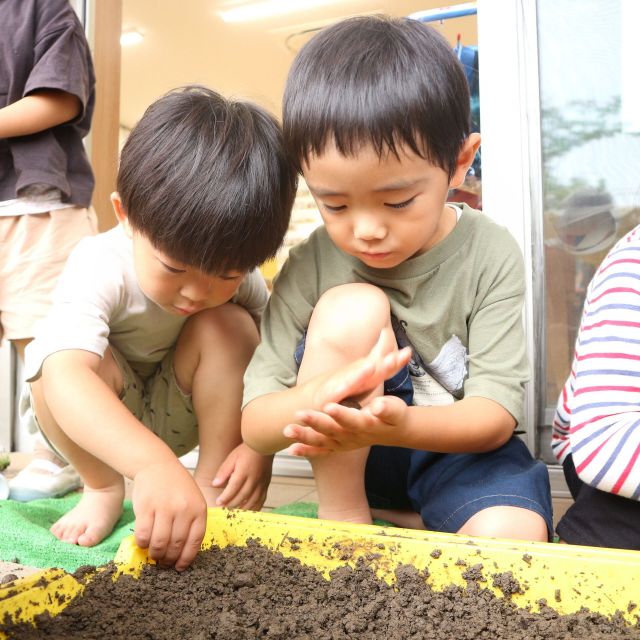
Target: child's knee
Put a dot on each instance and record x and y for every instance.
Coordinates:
(227, 329)
(351, 313)
(507, 522)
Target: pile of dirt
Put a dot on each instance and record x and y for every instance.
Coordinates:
(240, 593)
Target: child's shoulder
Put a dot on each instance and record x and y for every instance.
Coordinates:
(484, 232)
(315, 259)
(100, 260)
(317, 242)
(111, 243)
(316, 251)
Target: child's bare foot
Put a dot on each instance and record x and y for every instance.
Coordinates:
(92, 519)
(359, 515)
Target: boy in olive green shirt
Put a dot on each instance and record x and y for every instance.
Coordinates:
(392, 349)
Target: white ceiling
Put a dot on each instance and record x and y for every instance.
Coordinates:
(188, 42)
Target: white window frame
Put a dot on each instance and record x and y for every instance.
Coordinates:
(512, 170)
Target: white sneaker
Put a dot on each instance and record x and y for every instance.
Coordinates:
(43, 479)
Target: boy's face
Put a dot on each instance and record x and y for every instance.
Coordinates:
(386, 210)
(176, 287)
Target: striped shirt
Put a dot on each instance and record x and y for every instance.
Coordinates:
(597, 419)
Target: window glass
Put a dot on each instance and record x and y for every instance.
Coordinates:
(590, 118)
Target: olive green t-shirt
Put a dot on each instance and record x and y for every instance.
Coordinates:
(460, 305)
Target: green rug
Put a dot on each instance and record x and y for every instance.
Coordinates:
(301, 509)
(25, 537)
(310, 510)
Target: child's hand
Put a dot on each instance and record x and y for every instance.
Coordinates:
(245, 474)
(358, 379)
(171, 514)
(342, 428)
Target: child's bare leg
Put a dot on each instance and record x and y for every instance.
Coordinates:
(340, 485)
(345, 325)
(211, 356)
(506, 522)
(100, 506)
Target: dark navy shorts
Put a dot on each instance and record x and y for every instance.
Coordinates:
(447, 489)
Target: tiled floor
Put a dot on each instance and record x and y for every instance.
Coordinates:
(283, 490)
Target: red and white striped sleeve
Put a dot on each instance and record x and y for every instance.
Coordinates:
(597, 419)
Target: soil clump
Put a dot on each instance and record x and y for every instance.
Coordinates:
(242, 593)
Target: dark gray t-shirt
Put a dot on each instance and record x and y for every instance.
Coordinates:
(42, 46)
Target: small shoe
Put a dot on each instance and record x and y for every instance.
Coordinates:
(43, 479)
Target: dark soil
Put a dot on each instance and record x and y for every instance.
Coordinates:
(239, 593)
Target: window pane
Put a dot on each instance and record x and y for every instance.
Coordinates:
(590, 111)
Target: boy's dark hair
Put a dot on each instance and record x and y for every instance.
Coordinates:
(377, 80)
(206, 180)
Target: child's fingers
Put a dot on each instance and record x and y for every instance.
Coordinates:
(242, 495)
(143, 528)
(386, 409)
(160, 537)
(393, 362)
(305, 451)
(177, 537)
(348, 419)
(257, 499)
(355, 381)
(371, 371)
(306, 435)
(192, 543)
(234, 484)
(319, 421)
(224, 473)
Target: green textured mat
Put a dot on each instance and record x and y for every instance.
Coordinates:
(310, 510)
(25, 537)
(301, 509)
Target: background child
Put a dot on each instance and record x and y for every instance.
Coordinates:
(46, 103)
(376, 113)
(154, 322)
(596, 430)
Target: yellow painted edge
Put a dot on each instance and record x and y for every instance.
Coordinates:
(566, 576)
(48, 590)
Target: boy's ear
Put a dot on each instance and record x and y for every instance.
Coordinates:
(121, 213)
(465, 160)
